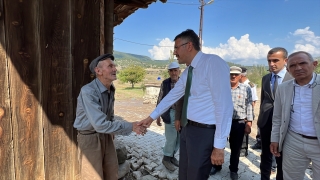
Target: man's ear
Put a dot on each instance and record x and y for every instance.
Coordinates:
(315, 63)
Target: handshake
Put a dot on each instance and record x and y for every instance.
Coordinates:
(140, 127)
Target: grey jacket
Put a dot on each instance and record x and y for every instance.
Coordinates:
(97, 115)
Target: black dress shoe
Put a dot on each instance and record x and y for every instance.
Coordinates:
(256, 146)
(214, 171)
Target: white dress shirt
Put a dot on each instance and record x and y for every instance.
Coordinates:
(301, 120)
(253, 90)
(210, 99)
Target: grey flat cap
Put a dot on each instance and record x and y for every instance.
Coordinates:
(95, 62)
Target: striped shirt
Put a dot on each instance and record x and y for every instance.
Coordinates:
(242, 102)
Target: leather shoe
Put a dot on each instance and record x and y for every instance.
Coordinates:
(256, 146)
(166, 162)
(174, 161)
(214, 171)
(234, 176)
(243, 153)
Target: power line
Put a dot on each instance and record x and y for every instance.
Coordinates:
(182, 4)
(140, 43)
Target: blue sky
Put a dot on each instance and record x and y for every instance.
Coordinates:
(240, 31)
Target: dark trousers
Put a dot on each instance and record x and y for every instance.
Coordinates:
(235, 140)
(245, 143)
(196, 145)
(266, 155)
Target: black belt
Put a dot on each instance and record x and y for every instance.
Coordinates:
(237, 119)
(86, 132)
(308, 137)
(209, 126)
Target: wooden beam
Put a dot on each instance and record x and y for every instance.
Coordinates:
(60, 150)
(132, 3)
(108, 26)
(23, 45)
(6, 134)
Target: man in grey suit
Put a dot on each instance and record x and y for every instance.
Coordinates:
(296, 118)
(277, 59)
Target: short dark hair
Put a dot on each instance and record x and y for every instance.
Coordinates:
(191, 36)
(277, 49)
(303, 52)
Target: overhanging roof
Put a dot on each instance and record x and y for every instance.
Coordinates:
(124, 8)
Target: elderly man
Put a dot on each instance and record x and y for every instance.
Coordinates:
(242, 118)
(207, 108)
(277, 59)
(172, 135)
(296, 119)
(96, 125)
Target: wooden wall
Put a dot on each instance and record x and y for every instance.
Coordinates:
(45, 49)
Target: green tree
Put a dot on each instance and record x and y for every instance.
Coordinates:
(132, 74)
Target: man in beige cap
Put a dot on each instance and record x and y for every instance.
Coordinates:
(241, 120)
(172, 135)
(96, 125)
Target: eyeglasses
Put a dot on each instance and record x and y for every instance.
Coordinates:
(177, 47)
(234, 74)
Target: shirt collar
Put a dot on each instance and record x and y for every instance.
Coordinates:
(101, 87)
(196, 59)
(309, 84)
(281, 73)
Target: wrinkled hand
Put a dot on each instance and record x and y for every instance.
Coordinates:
(138, 129)
(274, 149)
(146, 122)
(159, 122)
(177, 125)
(247, 129)
(217, 156)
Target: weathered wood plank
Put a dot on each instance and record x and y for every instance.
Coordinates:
(86, 36)
(6, 150)
(108, 25)
(60, 149)
(25, 82)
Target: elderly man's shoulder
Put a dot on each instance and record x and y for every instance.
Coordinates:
(89, 88)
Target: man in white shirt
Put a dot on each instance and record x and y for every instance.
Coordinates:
(296, 118)
(208, 107)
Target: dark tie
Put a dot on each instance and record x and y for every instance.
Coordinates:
(275, 84)
(186, 98)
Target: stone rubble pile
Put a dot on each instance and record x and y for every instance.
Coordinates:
(144, 161)
(150, 99)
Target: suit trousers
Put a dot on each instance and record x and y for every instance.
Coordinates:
(172, 137)
(97, 156)
(266, 155)
(297, 154)
(196, 145)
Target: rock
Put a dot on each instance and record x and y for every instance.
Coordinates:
(148, 177)
(137, 174)
(162, 175)
(124, 168)
(135, 166)
(121, 151)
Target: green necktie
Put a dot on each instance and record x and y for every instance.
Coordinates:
(186, 98)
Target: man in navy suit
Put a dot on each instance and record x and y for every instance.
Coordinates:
(277, 60)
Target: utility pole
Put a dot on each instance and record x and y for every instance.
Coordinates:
(202, 4)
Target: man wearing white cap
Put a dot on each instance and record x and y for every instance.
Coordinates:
(241, 120)
(172, 135)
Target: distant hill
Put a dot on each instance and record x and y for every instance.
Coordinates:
(124, 59)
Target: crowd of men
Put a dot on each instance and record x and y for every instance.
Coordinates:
(208, 105)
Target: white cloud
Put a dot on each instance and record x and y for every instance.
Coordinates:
(242, 50)
(307, 41)
(162, 52)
